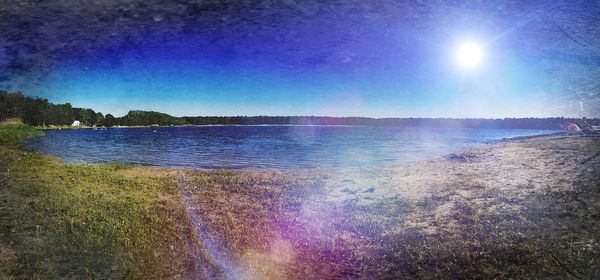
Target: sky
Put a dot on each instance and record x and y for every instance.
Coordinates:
(378, 58)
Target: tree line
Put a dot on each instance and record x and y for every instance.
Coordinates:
(41, 112)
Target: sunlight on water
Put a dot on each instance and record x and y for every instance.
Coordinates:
(252, 147)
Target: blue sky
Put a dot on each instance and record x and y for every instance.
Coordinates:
(379, 59)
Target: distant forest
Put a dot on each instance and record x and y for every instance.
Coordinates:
(40, 112)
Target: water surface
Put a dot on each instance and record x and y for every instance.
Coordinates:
(264, 146)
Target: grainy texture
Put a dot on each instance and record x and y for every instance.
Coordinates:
(558, 40)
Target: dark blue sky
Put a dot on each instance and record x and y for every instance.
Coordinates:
(339, 58)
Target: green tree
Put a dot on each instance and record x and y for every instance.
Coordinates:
(109, 120)
(87, 117)
(99, 118)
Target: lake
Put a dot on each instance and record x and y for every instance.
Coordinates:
(257, 147)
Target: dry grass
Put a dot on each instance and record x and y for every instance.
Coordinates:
(73, 221)
(12, 121)
(499, 214)
(277, 225)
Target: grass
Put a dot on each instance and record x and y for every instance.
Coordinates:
(119, 221)
(277, 235)
(13, 132)
(278, 225)
(93, 221)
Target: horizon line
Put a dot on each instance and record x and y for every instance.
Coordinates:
(305, 116)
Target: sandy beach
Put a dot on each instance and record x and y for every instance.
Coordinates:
(499, 210)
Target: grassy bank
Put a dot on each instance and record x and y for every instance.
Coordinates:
(518, 209)
(13, 133)
(98, 221)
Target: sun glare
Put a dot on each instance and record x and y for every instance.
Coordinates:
(469, 54)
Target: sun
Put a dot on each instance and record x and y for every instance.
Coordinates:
(469, 54)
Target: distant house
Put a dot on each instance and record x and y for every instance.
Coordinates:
(76, 123)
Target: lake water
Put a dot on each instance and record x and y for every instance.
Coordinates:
(263, 146)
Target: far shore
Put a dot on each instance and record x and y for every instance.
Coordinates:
(292, 125)
(185, 125)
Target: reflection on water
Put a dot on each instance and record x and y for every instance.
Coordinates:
(263, 146)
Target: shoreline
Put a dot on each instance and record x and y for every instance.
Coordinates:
(279, 125)
(518, 138)
(488, 211)
(259, 169)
